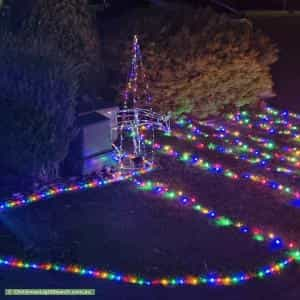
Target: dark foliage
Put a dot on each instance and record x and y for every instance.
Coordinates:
(197, 60)
(37, 107)
(70, 27)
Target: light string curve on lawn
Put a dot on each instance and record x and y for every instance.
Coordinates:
(62, 188)
(292, 153)
(234, 139)
(223, 280)
(235, 151)
(280, 125)
(293, 254)
(217, 168)
(270, 122)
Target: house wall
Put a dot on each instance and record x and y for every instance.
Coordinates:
(96, 138)
(90, 150)
(111, 113)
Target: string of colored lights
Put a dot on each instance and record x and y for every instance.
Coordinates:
(238, 145)
(254, 155)
(137, 71)
(268, 122)
(286, 116)
(294, 153)
(237, 153)
(217, 168)
(62, 188)
(264, 123)
(292, 255)
(162, 190)
(224, 280)
(262, 159)
(278, 153)
(281, 113)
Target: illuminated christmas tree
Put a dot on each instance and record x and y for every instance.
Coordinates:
(137, 90)
(136, 119)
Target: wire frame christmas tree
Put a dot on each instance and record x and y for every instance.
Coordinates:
(136, 119)
(137, 90)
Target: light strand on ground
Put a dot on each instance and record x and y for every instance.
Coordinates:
(62, 188)
(292, 157)
(264, 123)
(213, 280)
(217, 168)
(241, 151)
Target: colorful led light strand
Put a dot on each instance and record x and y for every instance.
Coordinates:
(226, 280)
(137, 71)
(62, 188)
(255, 156)
(264, 123)
(292, 158)
(162, 190)
(259, 158)
(293, 255)
(281, 113)
(218, 169)
(285, 116)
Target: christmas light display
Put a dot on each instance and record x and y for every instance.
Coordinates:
(292, 253)
(136, 115)
(226, 280)
(217, 168)
(58, 189)
(237, 149)
(137, 89)
(272, 125)
(162, 190)
(135, 126)
(283, 154)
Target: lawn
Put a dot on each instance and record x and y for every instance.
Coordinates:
(124, 229)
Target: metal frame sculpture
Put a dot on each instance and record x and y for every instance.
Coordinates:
(137, 119)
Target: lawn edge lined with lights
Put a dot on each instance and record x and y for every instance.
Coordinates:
(217, 168)
(221, 280)
(291, 253)
(236, 152)
(63, 188)
(269, 123)
(237, 148)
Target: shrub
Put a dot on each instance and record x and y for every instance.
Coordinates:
(37, 107)
(70, 26)
(197, 60)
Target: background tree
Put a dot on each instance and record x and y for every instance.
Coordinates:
(37, 107)
(70, 27)
(196, 59)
